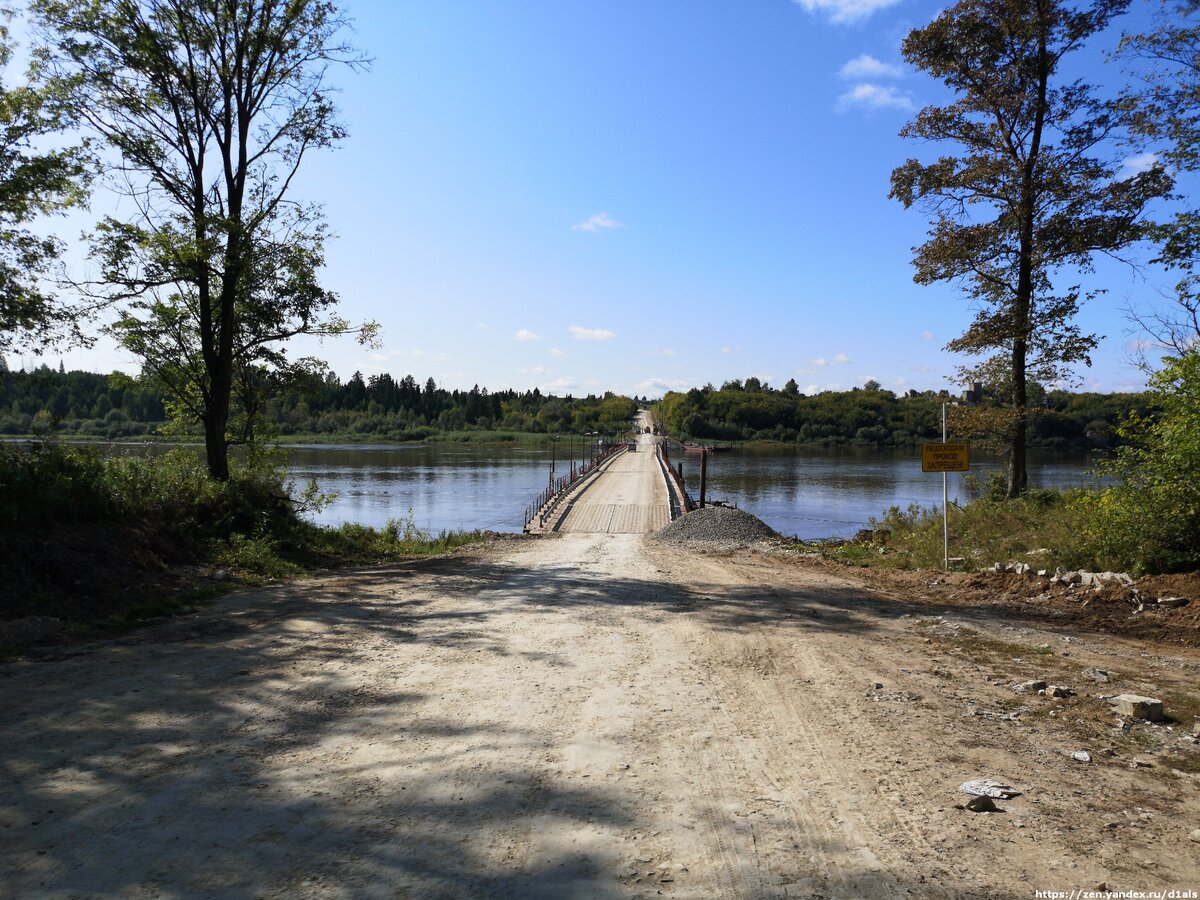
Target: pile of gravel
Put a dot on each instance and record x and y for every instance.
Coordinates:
(717, 525)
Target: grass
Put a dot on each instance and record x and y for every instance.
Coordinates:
(117, 541)
(980, 649)
(1041, 528)
(156, 607)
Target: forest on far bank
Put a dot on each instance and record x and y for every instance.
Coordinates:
(46, 401)
(871, 416)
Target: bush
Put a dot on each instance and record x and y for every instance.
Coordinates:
(985, 531)
(1150, 520)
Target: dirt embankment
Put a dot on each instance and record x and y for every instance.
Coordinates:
(602, 715)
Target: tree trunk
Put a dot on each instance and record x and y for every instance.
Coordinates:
(1018, 475)
(216, 449)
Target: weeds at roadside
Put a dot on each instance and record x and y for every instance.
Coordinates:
(90, 538)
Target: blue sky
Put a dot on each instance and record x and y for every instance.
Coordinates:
(641, 195)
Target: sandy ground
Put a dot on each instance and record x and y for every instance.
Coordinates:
(588, 715)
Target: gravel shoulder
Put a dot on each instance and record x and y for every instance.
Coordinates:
(592, 715)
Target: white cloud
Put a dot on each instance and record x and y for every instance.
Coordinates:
(1135, 165)
(526, 335)
(598, 222)
(422, 354)
(727, 349)
(866, 66)
(927, 335)
(662, 351)
(900, 382)
(656, 387)
(841, 12)
(590, 334)
(556, 353)
(820, 362)
(841, 358)
(867, 95)
(535, 370)
(811, 389)
(566, 383)
(875, 96)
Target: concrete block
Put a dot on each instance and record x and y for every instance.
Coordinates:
(1139, 707)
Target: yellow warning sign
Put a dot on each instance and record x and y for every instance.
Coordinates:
(945, 458)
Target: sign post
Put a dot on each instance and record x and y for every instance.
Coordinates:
(945, 458)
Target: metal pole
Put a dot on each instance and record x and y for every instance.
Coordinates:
(703, 474)
(945, 504)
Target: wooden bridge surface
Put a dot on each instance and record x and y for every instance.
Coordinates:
(629, 496)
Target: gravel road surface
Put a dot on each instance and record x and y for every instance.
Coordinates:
(588, 715)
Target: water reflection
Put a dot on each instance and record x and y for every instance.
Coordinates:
(835, 493)
(445, 486)
(464, 486)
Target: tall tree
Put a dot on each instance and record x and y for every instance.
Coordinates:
(1166, 115)
(34, 181)
(210, 107)
(1031, 193)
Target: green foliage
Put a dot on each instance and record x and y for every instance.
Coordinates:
(1150, 520)
(988, 530)
(876, 418)
(314, 403)
(35, 180)
(119, 522)
(1033, 191)
(49, 484)
(212, 107)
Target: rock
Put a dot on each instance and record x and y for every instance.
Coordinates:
(1141, 764)
(717, 525)
(1195, 836)
(1146, 708)
(988, 789)
(1042, 573)
(1172, 602)
(1097, 675)
(1030, 686)
(980, 804)
(1058, 691)
(1081, 756)
(1196, 729)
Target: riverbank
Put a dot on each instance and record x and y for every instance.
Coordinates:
(100, 542)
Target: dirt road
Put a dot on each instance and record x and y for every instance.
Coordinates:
(588, 715)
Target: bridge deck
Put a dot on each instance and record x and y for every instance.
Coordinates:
(628, 497)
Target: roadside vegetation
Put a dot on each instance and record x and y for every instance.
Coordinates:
(1146, 522)
(94, 538)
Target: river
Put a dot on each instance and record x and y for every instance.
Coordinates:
(802, 492)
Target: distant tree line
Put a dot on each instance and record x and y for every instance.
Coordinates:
(381, 407)
(872, 417)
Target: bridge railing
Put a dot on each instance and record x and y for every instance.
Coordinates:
(549, 498)
(681, 502)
